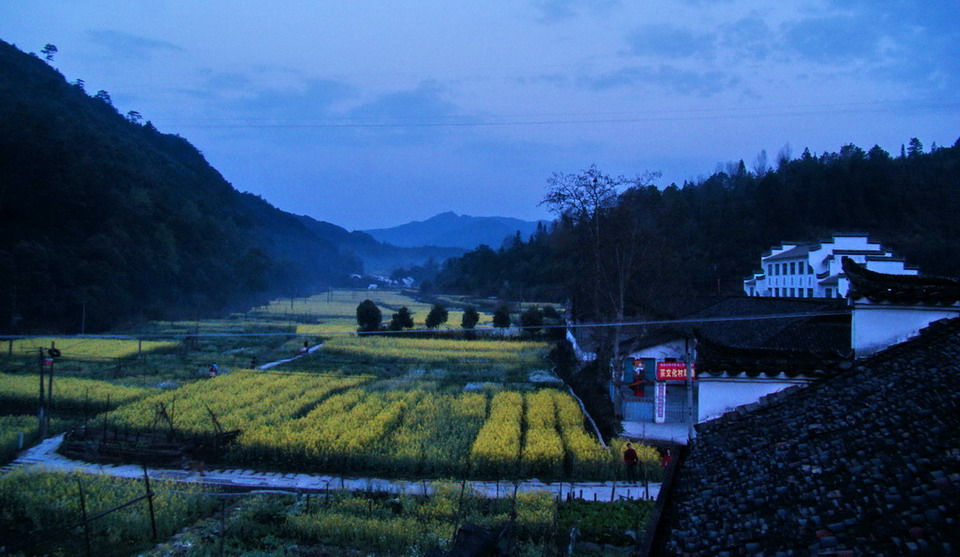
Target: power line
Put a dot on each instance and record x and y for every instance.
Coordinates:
(569, 118)
(653, 322)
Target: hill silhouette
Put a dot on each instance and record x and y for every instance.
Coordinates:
(455, 231)
(105, 220)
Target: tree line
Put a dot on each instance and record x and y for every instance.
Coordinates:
(105, 221)
(628, 247)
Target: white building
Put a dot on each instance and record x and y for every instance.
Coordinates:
(813, 270)
(890, 308)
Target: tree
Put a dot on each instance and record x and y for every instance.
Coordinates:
(403, 319)
(611, 237)
(501, 317)
(470, 318)
(760, 166)
(531, 320)
(368, 316)
(48, 51)
(437, 316)
(915, 148)
(104, 97)
(134, 117)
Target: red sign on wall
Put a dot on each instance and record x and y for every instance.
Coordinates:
(674, 371)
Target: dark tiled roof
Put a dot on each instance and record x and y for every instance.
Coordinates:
(763, 335)
(900, 289)
(753, 322)
(792, 253)
(866, 462)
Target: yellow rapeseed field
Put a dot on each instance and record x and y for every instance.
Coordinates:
(83, 348)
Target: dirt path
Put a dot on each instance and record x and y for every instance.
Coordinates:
(44, 457)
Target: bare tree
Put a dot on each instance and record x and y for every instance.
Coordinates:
(760, 166)
(590, 200)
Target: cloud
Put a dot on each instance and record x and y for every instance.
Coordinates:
(670, 42)
(131, 46)
(311, 99)
(912, 44)
(416, 115)
(748, 37)
(687, 82)
(833, 39)
(555, 11)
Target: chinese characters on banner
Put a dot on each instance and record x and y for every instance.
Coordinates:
(660, 403)
(674, 371)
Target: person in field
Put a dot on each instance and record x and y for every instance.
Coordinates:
(213, 371)
(631, 460)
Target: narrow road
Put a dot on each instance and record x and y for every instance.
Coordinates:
(44, 457)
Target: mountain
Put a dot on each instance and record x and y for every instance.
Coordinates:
(378, 258)
(104, 221)
(452, 230)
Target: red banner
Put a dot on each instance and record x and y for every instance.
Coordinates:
(674, 371)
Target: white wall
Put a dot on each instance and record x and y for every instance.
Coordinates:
(722, 394)
(673, 349)
(877, 326)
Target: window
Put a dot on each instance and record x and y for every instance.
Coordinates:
(829, 292)
(793, 292)
(776, 292)
(793, 268)
(809, 270)
(809, 292)
(769, 269)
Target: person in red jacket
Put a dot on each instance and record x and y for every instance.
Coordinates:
(666, 459)
(631, 460)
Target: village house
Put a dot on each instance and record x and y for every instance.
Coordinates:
(740, 349)
(863, 462)
(813, 270)
(744, 348)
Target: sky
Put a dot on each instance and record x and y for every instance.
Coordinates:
(374, 113)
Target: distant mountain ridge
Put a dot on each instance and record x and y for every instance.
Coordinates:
(379, 258)
(455, 231)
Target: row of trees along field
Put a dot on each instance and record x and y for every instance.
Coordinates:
(104, 219)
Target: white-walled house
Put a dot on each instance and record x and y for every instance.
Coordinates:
(742, 348)
(891, 308)
(813, 270)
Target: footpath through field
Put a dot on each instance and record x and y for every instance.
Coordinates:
(44, 455)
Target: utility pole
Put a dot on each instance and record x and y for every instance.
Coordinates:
(52, 353)
(691, 419)
(41, 414)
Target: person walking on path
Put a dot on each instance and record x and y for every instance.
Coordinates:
(631, 460)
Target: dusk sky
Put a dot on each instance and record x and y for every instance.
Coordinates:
(371, 114)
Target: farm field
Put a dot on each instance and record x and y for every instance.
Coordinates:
(362, 425)
(72, 395)
(86, 349)
(425, 407)
(389, 524)
(38, 505)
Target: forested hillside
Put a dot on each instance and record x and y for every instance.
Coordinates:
(107, 220)
(660, 247)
